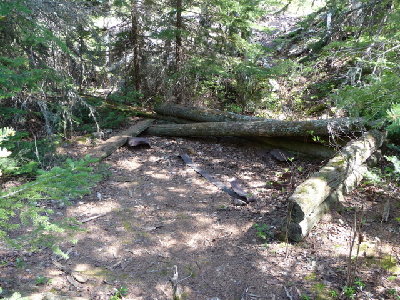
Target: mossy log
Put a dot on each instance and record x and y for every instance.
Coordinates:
(201, 114)
(113, 143)
(313, 198)
(266, 128)
(306, 147)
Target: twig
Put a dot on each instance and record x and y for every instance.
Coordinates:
(92, 218)
(288, 293)
(386, 211)
(288, 221)
(247, 293)
(352, 267)
(176, 291)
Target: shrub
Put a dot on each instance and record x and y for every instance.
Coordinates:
(28, 205)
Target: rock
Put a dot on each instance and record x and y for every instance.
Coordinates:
(138, 142)
(239, 202)
(79, 277)
(280, 155)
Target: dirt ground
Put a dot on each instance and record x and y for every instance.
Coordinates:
(153, 215)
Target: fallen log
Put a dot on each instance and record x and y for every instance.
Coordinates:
(113, 143)
(314, 197)
(213, 115)
(267, 128)
(201, 114)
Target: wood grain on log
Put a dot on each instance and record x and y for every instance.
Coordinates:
(201, 114)
(341, 174)
(267, 128)
(213, 115)
(113, 143)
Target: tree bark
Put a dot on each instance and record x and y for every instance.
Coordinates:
(313, 198)
(136, 47)
(198, 114)
(113, 143)
(178, 48)
(201, 114)
(267, 128)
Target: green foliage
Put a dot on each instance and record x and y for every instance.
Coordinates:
(41, 280)
(119, 293)
(16, 76)
(126, 96)
(21, 155)
(27, 205)
(108, 114)
(263, 231)
(377, 99)
(349, 292)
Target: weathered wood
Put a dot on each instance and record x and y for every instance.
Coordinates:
(137, 112)
(267, 128)
(201, 114)
(113, 143)
(312, 199)
(214, 115)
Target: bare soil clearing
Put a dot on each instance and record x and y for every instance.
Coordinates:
(153, 212)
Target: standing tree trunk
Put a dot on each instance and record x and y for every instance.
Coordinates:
(178, 49)
(135, 71)
(81, 61)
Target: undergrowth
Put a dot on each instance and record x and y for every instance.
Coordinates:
(26, 210)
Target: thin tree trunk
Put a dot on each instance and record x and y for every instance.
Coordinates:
(136, 47)
(178, 49)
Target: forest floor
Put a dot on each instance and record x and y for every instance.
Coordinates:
(153, 213)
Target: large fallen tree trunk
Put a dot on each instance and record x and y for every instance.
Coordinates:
(113, 143)
(313, 198)
(201, 114)
(213, 115)
(267, 128)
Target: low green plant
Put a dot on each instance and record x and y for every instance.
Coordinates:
(22, 155)
(28, 205)
(41, 280)
(263, 231)
(376, 99)
(349, 292)
(126, 96)
(359, 283)
(19, 263)
(334, 294)
(119, 293)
